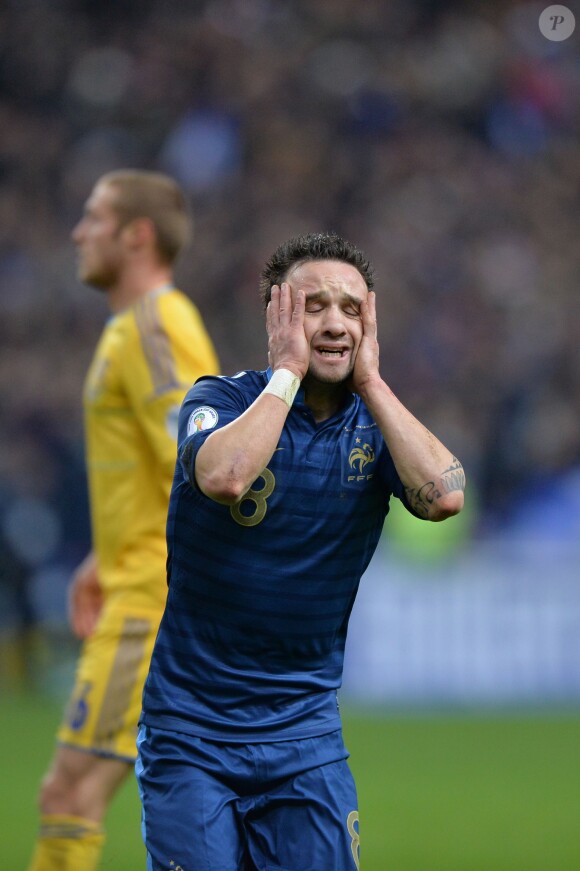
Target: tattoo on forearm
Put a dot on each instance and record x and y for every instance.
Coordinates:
(453, 478)
(423, 498)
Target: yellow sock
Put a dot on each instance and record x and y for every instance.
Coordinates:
(67, 844)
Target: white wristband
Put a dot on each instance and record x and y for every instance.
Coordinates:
(284, 384)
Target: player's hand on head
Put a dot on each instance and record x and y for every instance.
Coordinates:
(288, 347)
(366, 367)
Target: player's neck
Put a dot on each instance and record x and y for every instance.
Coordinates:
(132, 286)
(323, 400)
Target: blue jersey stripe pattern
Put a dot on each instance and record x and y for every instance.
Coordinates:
(251, 644)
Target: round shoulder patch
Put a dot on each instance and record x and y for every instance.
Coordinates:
(204, 417)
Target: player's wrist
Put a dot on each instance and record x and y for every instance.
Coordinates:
(284, 384)
(290, 367)
(370, 387)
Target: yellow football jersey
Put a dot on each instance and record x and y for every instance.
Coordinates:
(148, 356)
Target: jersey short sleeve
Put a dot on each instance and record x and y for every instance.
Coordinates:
(212, 403)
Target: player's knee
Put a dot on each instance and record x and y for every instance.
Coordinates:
(59, 794)
(51, 794)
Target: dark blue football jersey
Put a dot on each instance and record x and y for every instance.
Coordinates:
(251, 644)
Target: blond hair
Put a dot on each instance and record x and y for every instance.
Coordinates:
(153, 195)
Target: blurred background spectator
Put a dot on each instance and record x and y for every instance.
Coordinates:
(441, 137)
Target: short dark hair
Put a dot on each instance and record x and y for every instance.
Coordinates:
(312, 246)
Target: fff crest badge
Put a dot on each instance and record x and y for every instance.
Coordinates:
(361, 460)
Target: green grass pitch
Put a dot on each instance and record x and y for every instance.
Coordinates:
(448, 792)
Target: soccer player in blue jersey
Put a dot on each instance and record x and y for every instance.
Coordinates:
(281, 488)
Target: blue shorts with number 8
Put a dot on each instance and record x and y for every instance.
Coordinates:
(279, 806)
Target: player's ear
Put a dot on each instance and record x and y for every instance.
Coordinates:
(140, 233)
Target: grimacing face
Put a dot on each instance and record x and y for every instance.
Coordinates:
(334, 291)
(98, 239)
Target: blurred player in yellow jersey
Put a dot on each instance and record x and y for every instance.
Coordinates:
(152, 349)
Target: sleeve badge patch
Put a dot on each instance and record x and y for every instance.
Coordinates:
(204, 417)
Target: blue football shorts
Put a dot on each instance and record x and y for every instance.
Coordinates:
(281, 806)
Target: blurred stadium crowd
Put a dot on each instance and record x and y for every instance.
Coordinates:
(441, 137)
